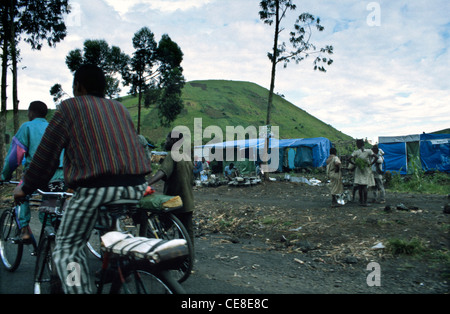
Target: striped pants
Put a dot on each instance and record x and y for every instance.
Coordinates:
(75, 229)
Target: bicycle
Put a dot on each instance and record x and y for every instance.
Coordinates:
(161, 224)
(127, 269)
(11, 243)
(46, 279)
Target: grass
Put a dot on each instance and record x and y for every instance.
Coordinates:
(419, 182)
(404, 247)
(234, 103)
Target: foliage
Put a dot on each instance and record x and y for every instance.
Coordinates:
(273, 12)
(419, 182)
(57, 92)
(110, 59)
(361, 163)
(38, 22)
(155, 73)
(403, 247)
(33, 22)
(234, 103)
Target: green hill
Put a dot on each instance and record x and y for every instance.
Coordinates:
(228, 103)
(234, 103)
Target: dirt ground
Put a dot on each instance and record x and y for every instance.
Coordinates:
(284, 237)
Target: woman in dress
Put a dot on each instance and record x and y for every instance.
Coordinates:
(363, 159)
(335, 175)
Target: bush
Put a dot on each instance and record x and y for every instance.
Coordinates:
(399, 247)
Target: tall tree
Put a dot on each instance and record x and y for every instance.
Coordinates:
(141, 72)
(5, 35)
(169, 102)
(33, 21)
(273, 12)
(110, 59)
(155, 73)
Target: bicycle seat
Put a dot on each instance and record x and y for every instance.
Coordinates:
(155, 250)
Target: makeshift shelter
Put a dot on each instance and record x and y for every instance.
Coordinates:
(292, 153)
(405, 153)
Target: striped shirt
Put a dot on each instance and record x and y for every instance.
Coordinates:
(101, 146)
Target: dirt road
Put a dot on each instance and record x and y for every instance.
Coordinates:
(284, 238)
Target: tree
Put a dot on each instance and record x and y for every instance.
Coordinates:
(155, 73)
(172, 81)
(110, 59)
(141, 69)
(33, 21)
(273, 12)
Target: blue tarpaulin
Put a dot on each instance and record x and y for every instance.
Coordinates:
(300, 152)
(429, 151)
(435, 152)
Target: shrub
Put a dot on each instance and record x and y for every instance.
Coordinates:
(403, 247)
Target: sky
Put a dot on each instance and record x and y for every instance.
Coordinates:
(390, 74)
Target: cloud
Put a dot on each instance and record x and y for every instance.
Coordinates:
(387, 79)
(123, 7)
(390, 78)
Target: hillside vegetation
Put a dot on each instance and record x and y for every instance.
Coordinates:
(234, 103)
(227, 103)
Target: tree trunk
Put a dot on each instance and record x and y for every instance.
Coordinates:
(274, 63)
(139, 110)
(14, 68)
(272, 84)
(3, 111)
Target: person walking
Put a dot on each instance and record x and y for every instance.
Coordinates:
(334, 173)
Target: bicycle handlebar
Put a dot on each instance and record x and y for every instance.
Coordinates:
(9, 182)
(61, 194)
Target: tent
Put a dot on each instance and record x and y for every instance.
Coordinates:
(292, 153)
(405, 153)
(435, 152)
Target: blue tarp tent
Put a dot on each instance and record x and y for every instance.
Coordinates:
(428, 151)
(435, 152)
(293, 153)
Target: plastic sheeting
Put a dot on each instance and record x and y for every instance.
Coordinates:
(435, 152)
(403, 153)
(301, 152)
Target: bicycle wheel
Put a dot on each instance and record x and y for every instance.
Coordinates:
(169, 227)
(11, 246)
(123, 224)
(145, 282)
(46, 278)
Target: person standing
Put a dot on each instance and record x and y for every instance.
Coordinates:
(334, 173)
(198, 167)
(178, 181)
(23, 147)
(379, 193)
(103, 162)
(362, 159)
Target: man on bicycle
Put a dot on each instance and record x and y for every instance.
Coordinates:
(103, 162)
(22, 149)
